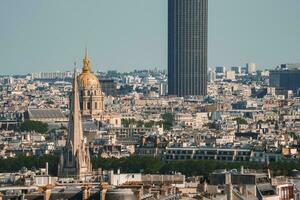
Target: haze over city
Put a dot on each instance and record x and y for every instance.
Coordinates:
(132, 34)
(150, 100)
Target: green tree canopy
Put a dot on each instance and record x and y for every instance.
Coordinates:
(168, 120)
(36, 126)
(148, 165)
(15, 164)
(241, 120)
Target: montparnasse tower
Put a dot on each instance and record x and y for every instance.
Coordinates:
(91, 96)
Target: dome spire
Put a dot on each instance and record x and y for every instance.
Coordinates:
(86, 52)
(86, 63)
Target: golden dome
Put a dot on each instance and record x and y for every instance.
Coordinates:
(87, 79)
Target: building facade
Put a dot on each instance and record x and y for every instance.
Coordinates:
(251, 68)
(237, 69)
(109, 87)
(222, 154)
(286, 78)
(187, 47)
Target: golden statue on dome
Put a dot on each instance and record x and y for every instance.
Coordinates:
(86, 63)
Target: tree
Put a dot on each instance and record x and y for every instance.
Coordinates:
(148, 165)
(17, 163)
(136, 164)
(36, 126)
(241, 120)
(211, 125)
(129, 121)
(168, 120)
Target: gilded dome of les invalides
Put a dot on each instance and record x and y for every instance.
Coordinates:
(87, 79)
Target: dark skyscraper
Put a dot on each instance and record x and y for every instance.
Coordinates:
(286, 78)
(187, 47)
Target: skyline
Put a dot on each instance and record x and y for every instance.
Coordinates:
(33, 39)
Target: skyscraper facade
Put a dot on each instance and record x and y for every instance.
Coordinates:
(187, 47)
(286, 78)
(251, 68)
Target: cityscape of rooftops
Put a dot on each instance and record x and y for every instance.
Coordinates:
(150, 100)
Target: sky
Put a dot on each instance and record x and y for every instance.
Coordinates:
(50, 35)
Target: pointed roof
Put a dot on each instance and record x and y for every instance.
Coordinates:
(75, 134)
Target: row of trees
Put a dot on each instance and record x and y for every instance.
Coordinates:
(32, 162)
(188, 167)
(36, 126)
(167, 122)
(139, 123)
(136, 164)
(214, 125)
(240, 120)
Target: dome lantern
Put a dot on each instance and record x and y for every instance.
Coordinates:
(87, 79)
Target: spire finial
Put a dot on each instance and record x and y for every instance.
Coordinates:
(86, 51)
(86, 63)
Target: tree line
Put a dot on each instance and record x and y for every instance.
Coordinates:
(167, 120)
(37, 126)
(148, 165)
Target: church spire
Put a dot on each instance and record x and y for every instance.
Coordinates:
(75, 158)
(86, 63)
(75, 127)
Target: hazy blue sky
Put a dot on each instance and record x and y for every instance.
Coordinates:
(49, 35)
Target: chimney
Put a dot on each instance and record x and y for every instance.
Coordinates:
(229, 186)
(227, 178)
(103, 193)
(47, 193)
(143, 141)
(269, 173)
(242, 169)
(205, 186)
(229, 189)
(47, 168)
(86, 192)
(157, 141)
